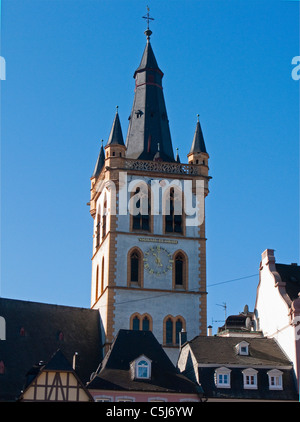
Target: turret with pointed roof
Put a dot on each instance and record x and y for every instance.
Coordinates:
(198, 153)
(148, 121)
(100, 162)
(115, 146)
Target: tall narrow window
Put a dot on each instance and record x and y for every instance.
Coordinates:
(136, 323)
(97, 283)
(179, 261)
(172, 328)
(102, 276)
(146, 324)
(135, 266)
(104, 220)
(173, 218)
(98, 231)
(141, 221)
(169, 331)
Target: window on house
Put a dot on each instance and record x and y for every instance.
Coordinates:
(250, 378)
(2, 367)
(275, 379)
(242, 348)
(222, 377)
(143, 368)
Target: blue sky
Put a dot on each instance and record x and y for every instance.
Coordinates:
(70, 62)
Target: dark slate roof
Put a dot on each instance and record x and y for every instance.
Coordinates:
(221, 350)
(100, 162)
(148, 61)
(34, 331)
(116, 135)
(128, 345)
(148, 121)
(290, 274)
(264, 354)
(198, 144)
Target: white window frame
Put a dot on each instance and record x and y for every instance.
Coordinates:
(125, 398)
(249, 373)
(276, 375)
(136, 368)
(103, 398)
(243, 345)
(220, 372)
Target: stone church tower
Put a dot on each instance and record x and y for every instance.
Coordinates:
(149, 255)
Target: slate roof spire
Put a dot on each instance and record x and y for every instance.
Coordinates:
(148, 121)
(100, 161)
(198, 144)
(116, 135)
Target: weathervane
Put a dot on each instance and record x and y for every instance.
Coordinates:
(148, 32)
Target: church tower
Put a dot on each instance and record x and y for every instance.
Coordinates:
(149, 254)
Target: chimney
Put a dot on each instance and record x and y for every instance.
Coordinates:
(182, 338)
(209, 330)
(74, 360)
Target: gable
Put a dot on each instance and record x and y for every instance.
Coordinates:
(55, 386)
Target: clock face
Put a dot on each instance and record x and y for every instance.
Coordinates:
(158, 260)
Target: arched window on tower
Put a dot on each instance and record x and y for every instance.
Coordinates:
(98, 230)
(140, 322)
(104, 219)
(169, 331)
(172, 327)
(141, 220)
(180, 270)
(136, 323)
(97, 283)
(173, 214)
(102, 275)
(135, 268)
(178, 329)
(146, 324)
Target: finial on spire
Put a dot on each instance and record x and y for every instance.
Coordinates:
(117, 109)
(197, 117)
(148, 32)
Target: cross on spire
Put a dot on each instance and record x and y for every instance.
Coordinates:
(147, 17)
(148, 31)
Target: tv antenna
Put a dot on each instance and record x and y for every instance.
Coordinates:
(224, 306)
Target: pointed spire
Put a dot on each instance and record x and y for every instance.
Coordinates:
(198, 144)
(148, 122)
(177, 159)
(100, 161)
(116, 136)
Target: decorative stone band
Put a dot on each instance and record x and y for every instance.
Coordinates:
(161, 167)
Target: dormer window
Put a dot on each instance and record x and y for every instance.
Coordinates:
(242, 348)
(142, 368)
(275, 379)
(222, 377)
(250, 378)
